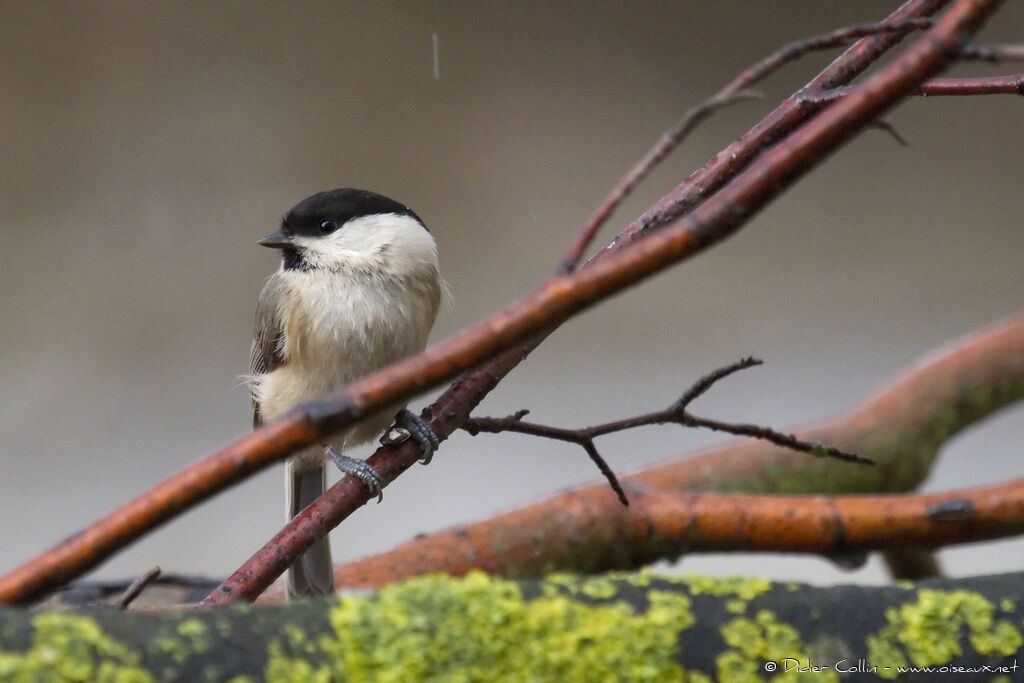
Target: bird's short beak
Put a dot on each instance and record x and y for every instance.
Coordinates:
(276, 240)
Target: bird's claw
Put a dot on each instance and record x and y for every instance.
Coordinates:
(361, 470)
(410, 425)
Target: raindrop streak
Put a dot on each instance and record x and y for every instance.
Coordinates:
(437, 58)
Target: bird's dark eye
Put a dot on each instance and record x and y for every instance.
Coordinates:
(327, 227)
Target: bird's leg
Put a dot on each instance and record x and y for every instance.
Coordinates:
(409, 424)
(361, 470)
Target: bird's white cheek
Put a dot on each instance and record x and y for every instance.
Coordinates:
(324, 252)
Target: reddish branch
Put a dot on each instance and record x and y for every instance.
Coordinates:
(530, 318)
(990, 85)
(901, 427)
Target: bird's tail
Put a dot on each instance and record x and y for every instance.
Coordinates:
(313, 572)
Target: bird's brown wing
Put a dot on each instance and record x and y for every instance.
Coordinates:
(267, 352)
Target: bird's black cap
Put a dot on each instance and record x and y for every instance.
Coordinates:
(337, 207)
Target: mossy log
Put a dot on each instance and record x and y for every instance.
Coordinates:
(635, 626)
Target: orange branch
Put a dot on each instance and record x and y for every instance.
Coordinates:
(587, 531)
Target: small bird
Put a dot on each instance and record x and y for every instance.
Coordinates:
(358, 288)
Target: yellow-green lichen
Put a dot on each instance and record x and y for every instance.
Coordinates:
(69, 647)
(195, 634)
(743, 587)
(669, 610)
(762, 649)
(168, 645)
(482, 628)
(599, 588)
(928, 631)
(284, 669)
(640, 579)
(736, 606)
(558, 583)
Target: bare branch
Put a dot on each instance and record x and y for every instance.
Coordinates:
(674, 414)
(514, 423)
(662, 525)
(707, 381)
(136, 587)
(665, 145)
(987, 85)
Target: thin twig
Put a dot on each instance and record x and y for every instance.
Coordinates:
(669, 140)
(1012, 84)
(136, 587)
(815, 448)
(705, 382)
(838, 38)
(578, 437)
(736, 91)
(674, 414)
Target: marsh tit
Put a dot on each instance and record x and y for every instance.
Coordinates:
(358, 289)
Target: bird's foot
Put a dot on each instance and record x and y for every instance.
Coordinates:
(361, 470)
(409, 424)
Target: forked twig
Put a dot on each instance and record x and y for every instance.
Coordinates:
(675, 414)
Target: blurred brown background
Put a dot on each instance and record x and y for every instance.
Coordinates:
(147, 146)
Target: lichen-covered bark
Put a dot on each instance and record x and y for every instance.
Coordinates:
(612, 627)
